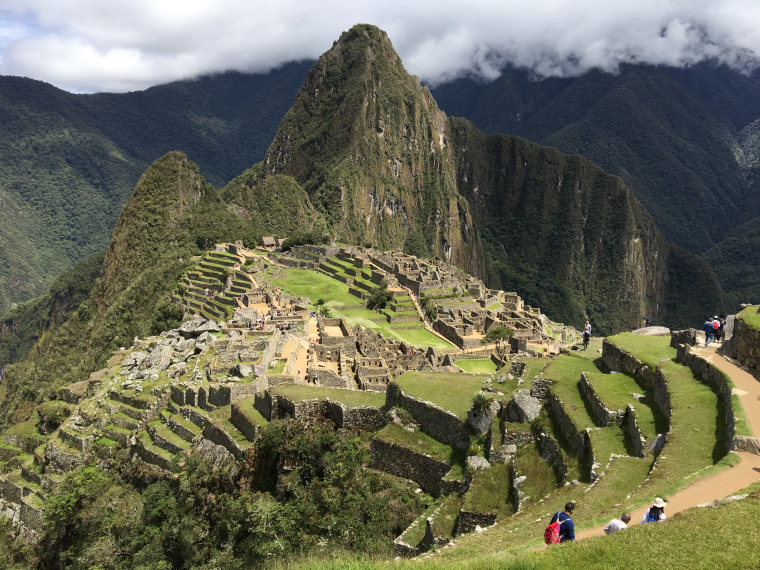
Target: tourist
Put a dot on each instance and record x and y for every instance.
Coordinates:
(656, 512)
(722, 329)
(586, 335)
(616, 525)
(709, 331)
(567, 526)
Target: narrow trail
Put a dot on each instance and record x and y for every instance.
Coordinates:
(727, 481)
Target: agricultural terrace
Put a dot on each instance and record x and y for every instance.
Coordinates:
(452, 392)
(335, 294)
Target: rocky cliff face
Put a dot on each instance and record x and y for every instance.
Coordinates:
(562, 231)
(372, 150)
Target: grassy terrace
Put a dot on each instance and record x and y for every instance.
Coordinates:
(477, 366)
(615, 391)
(751, 316)
(648, 349)
(540, 479)
(421, 442)
(452, 392)
(532, 368)
(490, 492)
(316, 285)
(416, 531)
(566, 371)
(351, 398)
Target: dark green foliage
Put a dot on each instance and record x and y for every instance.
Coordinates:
(167, 315)
(736, 261)
(499, 335)
(379, 297)
(52, 414)
(693, 292)
(21, 327)
(306, 238)
(206, 518)
(429, 308)
(667, 132)
(69, 162)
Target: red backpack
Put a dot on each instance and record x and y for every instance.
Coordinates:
(551, 534)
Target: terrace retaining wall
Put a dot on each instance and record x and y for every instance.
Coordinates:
(651, 379)
(720, 383)
(409, 464)
(744, 346)
(632, 433)
(602, 415)
(438, 423)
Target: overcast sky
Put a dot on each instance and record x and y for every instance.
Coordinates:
(125, 45)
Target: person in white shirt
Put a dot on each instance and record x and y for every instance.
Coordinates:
(616, 525)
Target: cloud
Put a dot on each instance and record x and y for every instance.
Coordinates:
(109, 45)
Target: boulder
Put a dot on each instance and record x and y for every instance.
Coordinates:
(481, 419)
(134, 359)
(241, 370)
(523, 407)
(475, 462)
(208, 326)
(159, 359)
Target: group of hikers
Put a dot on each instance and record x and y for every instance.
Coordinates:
(562, 528)
(714, 329)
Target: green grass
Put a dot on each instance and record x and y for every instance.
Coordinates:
(451, 391)
(445, 520)
(421, 337)
(279, 366)
(751, 316)
(648, 349)
(315, 285)
(615, 392)
(422, 443)
(351, 398)
(540, 479)
(414, 534)
(533, 367)
(477, 366)
(490, 492)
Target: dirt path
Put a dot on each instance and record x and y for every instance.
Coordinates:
(728, 481)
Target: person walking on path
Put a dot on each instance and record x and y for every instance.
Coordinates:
(567, 526)
(616, 525)
(656, 512)
(709, 331)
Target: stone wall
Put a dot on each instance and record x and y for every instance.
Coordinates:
(686, 336)
(552, 454)
(434, 420)
(404, 462)
(720, 383)
(747, 444)
(632, 432)
(744, 346)
(468, 520)
(602, 415)
(578, 440)
(653, 380)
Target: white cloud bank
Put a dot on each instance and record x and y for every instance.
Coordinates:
(122, 45)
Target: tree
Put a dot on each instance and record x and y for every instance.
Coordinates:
(379, 297)
(429, 308)
(499, 335)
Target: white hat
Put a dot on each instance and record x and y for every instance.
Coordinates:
(659, 503)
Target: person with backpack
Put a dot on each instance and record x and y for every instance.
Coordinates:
(656, 512)
(709, 331)
(561, 528)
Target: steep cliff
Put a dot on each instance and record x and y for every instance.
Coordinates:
(370, 147)
(570, 237)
